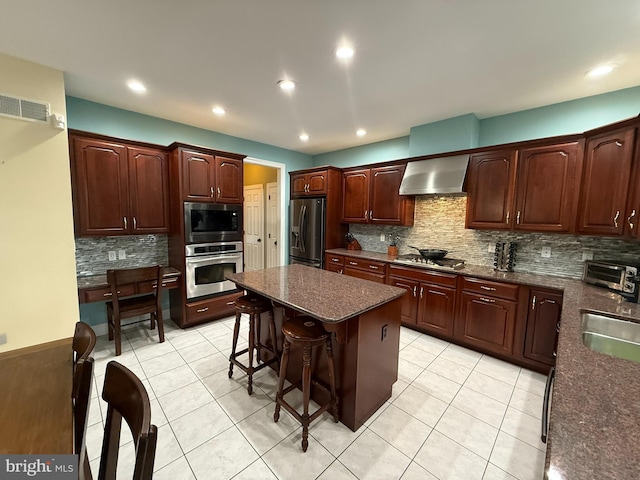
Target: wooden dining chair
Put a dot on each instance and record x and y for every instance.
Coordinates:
(83, 381)
(84, 341)
(119, 308)
(127, 398)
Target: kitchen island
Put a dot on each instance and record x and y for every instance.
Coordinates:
(365, 317)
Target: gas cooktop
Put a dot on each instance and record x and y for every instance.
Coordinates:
(420, 261)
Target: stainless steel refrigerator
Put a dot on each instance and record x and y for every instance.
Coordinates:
(306, 231)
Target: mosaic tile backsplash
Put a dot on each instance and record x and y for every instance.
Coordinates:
(439, 223)
(92, 254)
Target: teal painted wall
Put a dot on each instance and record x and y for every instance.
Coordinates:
(393, 149)
(457, 133)
(96, 313)
(115, 122)
(564, 118)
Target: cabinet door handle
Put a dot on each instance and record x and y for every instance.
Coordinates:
(633, 214)
(230, 303)
(341, 271)
(615, 219)
(414, 291)
(558, 327)
(125, 222)
(533, 303)
(110, 294)
(373, 266)
(200, 310)
(487, 300)
(508, 212)
(421, 291)
(491, 289)
(135, 223)
(335, 259)
(212, 192)
(218, 191)
(518, 218)
(353, 263)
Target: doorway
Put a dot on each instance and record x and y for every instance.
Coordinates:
(269, 176)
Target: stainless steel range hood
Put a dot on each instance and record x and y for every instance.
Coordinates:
(436, 175)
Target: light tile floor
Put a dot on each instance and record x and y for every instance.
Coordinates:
(454, 414)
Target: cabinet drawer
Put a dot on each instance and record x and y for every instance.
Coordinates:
(148, 287)
(211, 308)
(494, 289)
(364, 274)
(426, 276)
(334, 259)
(103, 294)
(369, 265)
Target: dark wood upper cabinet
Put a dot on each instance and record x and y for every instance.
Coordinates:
(228, 180)
(546, 180)
(149, 190)
(355, 196)
(309, 183)
(605, 183)
(543, 325)
(119, 189)
(490, 190)
(371, 196)
(198, 176)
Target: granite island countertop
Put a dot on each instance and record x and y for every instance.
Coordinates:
(594, 430)
(100, 280)
(327, 296)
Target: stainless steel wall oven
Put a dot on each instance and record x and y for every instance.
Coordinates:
(207, 264)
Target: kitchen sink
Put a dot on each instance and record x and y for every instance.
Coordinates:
(611, 336)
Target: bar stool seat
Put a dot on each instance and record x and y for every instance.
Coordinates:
(254, 306)
(309, 333)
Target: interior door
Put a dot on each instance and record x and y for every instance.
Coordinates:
(273, 225)
(253, 227)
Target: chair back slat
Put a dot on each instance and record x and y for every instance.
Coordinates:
(127, 399)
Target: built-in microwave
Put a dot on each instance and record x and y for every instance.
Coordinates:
(619, 276)
(212, 222)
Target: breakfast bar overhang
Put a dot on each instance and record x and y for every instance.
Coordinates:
(365, 317)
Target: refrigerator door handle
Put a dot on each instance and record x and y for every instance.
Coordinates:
(302, 226)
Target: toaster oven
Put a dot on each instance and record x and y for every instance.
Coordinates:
(619, 276)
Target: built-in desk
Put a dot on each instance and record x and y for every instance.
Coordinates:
(95, 288)
(365, 317)
(36, 413)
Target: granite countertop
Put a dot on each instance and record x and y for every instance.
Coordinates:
(327, 296)
(100, 280)
(595, 414)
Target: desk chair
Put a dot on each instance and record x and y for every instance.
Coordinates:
(119, 308)
(127, 398)
(83, 381)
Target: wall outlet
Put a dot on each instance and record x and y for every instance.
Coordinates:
(122, 255)
(382, 237)
(112, 255)
(3, 338)
(491, 247)
(546, 252)
(587, 255)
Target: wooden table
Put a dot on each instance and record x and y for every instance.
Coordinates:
(36, 413)
(365, 317)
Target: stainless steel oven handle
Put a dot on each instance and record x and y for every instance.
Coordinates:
(208, 259)
(545, 405)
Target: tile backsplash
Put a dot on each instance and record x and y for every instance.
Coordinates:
(439, 223)
(92, 253)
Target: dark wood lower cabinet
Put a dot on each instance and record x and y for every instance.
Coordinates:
(410, 300)
(543, 325)
(437, 308)
(487, 322)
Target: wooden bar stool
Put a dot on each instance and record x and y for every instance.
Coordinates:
(254, 306)
(309, 333)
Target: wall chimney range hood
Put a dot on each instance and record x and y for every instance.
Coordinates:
(437, 175)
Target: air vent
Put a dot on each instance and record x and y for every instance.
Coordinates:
(23, 108)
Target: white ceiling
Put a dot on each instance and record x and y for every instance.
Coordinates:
(416, 61)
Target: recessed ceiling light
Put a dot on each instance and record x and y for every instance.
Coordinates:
(600, 70)
(287, 85)
(304, 137)
(361, 132)
(136, 86)
(344, 52)
(218, 111)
